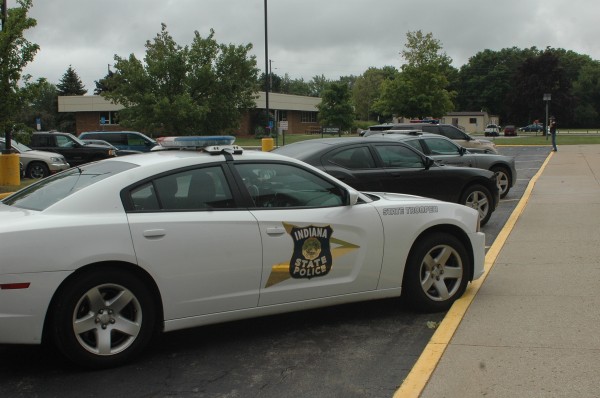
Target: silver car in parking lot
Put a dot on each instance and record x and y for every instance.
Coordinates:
(37, 164)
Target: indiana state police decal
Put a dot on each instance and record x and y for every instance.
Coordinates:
(312, 251)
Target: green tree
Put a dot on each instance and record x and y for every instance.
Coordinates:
(15, 53)
(275, 83)
(335, 109)
(102, 85)
(317, 85)
(534, 78)
(587, 90)
(294, 86)
(70, 84)
(201, 88)
(367, 90)
(38, 101)
(421, 89)
(486, 81)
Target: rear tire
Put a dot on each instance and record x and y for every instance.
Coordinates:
(479, 198)
(437, 272)
(103, 318)
(504, 180)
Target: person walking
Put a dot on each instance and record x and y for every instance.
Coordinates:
(553, 133)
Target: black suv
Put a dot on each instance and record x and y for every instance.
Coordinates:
(72, 148)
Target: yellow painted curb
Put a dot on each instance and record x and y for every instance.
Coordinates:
(418, 377)
(4, 195)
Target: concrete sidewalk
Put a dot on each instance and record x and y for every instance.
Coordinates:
(530, 328)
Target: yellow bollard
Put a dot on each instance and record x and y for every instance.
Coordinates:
(267, 144)
(10, 172)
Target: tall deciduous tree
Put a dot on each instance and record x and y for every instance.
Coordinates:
(38, 102)
(294, 86)
(587, 90)
(367, 90)
(201, 88)
(335, 109)
(15, 53)
(421, 89)
(534, 78)
(486, 81)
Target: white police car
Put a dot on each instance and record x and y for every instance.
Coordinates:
(133, 246)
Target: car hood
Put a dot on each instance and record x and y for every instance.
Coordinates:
(401, 197)
(41, 154)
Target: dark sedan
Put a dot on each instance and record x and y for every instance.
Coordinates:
(537, 128)
(446, 151)
(390, 166)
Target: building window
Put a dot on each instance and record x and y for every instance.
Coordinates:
(308, 117)
(281, 116)
(109, 118)
(473, 120)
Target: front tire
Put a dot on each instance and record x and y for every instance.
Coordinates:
(479, 198)
(37, 170)
(103, 318)
(436, 274)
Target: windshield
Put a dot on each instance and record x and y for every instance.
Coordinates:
(17, 145)
(48, 191)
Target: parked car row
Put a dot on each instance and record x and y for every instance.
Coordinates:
(448, 152)
(447, 130)
(37, 164)
(382, 164)
(177, 239)
(51, 152)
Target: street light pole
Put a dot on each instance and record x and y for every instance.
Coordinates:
(267, 72)
(7, 142)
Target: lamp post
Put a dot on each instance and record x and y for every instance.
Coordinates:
(4, 16)
(267, 78)
(546, 98)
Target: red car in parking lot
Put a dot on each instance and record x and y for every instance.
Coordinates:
(510, 130)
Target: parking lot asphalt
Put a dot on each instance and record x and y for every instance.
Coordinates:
(528, 328)
(355, 350)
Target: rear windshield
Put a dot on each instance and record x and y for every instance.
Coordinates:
(48, 191)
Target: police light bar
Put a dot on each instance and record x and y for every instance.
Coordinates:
(213, 144)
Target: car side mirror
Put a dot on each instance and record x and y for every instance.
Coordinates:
(462, 150)
(352, 196)
(429, 162)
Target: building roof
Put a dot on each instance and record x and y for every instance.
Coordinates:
(97, 103)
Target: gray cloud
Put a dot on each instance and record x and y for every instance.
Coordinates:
(306, 37)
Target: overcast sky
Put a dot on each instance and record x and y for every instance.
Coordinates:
(305, 37)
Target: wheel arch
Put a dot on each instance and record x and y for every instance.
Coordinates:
(504, 167)
(453, 230)
(115, 265)
(33, 164)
